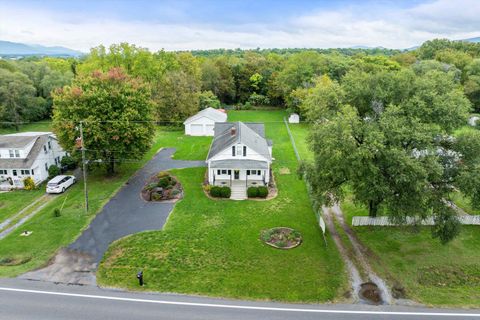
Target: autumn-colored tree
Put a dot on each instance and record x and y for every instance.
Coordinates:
(116, 112)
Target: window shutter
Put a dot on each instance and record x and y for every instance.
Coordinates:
(248, 172)
(233, 151)
(244, 151)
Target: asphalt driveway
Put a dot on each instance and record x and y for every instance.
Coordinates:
(126, 213)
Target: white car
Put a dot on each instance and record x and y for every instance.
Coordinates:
(60, 183)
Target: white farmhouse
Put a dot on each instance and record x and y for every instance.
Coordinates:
(294, 118)
(27, 154)
(240, 156)
(202, 123)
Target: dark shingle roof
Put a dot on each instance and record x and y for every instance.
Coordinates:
(26, 163)
(248, 133)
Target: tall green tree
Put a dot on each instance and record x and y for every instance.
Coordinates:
(116, 111)
(389, 152)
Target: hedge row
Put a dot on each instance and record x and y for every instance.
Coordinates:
(220, 192)
(257, 192)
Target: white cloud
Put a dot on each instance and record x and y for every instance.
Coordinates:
(349, 26)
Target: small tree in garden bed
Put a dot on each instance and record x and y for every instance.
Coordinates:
(28, 183)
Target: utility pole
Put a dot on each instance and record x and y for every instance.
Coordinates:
(84, 168)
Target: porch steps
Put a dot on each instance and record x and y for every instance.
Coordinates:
(239, 191)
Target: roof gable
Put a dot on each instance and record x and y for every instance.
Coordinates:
(210, 113)
(250, 134)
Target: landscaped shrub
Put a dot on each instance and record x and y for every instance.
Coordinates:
(151, 186)
(165, 182)
(156, 196)
(225, 192)
(28, 183)
(162, 174)
(53, 171)
(216, 192)
(69, 162)
(56, 213)
(262, 192)
(252, 192)
(175, 192)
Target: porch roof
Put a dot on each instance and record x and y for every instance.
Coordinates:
(239, 164)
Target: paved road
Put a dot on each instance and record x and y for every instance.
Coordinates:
(126, 213)
(20, 299)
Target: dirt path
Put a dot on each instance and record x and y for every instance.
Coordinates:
(361, 253)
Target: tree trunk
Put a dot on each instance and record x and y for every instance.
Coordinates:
(373, 208)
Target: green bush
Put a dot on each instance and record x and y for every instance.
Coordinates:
(69, 162)
(156, 196)
(215, 191)
(165, 182)
(262, 192)
(28, 183)
(53, 171)
(252, 192)
(56, 213)
(225, 192)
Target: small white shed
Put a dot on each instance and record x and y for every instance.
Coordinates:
(202, 123)
(294, 118)
(473, 121)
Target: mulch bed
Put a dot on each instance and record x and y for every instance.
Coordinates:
(167, 193)
(281, 237)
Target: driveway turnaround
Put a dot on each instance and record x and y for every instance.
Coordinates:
(42, 300)
(126, 213)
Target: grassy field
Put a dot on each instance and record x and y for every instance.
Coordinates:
(300, 132)
(35, 126)
(212, 247)
(191, 148)
(20, 254)
(12, 202)
(432, 273)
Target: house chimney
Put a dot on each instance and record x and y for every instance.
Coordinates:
(233, 131)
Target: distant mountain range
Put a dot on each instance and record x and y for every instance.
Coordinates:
(16, 49)
(10, 49)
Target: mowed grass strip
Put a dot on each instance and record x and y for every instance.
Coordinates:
(213, 248)
(14, 201)
(20, 254)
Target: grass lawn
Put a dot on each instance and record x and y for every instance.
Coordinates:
(34, 126)
(212, 247)
(432, 273)
(14, 201)
(20, 254)
(300, 132)
(188, 147)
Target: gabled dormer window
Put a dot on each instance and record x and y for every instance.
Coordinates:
(17, 154)
(11, 153)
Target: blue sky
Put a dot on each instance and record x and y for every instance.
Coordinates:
(195, 24)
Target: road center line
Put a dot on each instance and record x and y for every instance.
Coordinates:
(244, 307)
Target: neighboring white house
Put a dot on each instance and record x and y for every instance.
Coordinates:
(203, 122)
(294, 118)
(240, 156)
(27, 154)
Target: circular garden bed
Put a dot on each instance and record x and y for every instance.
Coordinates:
(162, 187)
(281, 237)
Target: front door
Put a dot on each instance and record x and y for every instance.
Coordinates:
(236, 174)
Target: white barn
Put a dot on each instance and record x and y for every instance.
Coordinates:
(27, 154)
(202, 123)
(294, 118)
(240, 156)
